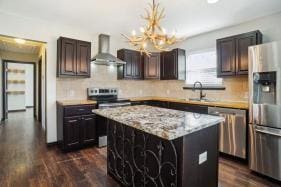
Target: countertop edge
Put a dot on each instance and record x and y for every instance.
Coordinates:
(226, 104)
(76, 102)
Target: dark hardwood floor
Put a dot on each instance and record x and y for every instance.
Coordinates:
(25, 160)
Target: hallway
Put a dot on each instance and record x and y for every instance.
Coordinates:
(25, 160)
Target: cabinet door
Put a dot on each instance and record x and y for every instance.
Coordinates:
(88, 131)
(169, 65)
(83, 58)
(67, 59)
(226, 57)
(242, 44)
(152, 66)
(137, 65)
(129, 66)
(72, 131)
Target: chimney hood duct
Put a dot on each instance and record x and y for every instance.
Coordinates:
(104, 57)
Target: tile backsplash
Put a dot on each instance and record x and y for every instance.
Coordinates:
(106, 76)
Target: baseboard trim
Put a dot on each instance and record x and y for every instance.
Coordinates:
(29, 107)
(21, 110)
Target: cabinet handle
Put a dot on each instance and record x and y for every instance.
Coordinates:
(88, 119)
(81, 109)
(72, 121)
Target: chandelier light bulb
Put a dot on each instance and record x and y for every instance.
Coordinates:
(164, 31)
(134, 33)
(174, 33)
(161, 42)
(142, 29)
(144, 45)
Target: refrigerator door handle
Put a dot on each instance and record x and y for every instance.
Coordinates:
(268, 132)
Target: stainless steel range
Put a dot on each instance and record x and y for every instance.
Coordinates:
(106, 98)
(265, 109)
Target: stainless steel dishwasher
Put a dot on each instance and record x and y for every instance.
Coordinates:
(232, 132)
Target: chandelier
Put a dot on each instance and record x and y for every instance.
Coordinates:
(152, 35)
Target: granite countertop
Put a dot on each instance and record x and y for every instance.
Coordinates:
(226, 104)
(76, 102)
(165, 123)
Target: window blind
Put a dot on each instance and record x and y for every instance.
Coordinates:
(202, 67)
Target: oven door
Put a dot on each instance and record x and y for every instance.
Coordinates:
(265, 150)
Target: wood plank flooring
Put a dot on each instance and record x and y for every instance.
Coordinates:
(25, 160)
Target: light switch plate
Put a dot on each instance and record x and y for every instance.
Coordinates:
(203, 157)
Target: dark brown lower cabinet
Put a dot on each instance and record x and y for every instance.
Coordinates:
(189, 107)
(76, 126)
(88, 130)
(72, 132)
(136, 158)
(173, 105)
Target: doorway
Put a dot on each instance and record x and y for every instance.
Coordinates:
(19, 87)
(22, 78)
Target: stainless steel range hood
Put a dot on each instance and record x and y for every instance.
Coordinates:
(104, 57)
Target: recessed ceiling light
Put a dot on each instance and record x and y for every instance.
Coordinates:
(19, 40)
(212, 1)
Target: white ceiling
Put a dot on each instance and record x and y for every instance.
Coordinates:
(188, 17)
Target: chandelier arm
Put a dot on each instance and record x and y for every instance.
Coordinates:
(153, 33)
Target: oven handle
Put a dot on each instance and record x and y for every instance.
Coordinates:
(268, 132)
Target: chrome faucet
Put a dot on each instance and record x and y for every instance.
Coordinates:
(201, 91)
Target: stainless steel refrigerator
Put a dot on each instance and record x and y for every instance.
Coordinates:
(265, 109)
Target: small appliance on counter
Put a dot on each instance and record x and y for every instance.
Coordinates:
(265, 109)
(105, 98)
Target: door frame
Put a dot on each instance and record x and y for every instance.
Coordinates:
(4, 85)
(39, 109)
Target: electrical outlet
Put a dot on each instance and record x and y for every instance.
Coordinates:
(202, 158)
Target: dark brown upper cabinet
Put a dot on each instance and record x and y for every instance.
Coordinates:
(173, 64)
(73, 58)
(152, 66)
(232, 53)
(133, 69)
(168, 65)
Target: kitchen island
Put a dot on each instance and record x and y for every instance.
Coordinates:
(151, 146)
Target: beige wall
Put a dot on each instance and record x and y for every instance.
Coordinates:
(236, 90)
(102, 76)
(105, 76)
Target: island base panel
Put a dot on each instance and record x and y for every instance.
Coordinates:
(136, 158)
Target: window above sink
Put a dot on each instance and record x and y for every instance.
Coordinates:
(202, 66)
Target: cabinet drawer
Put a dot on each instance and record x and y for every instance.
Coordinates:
(78, 110)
